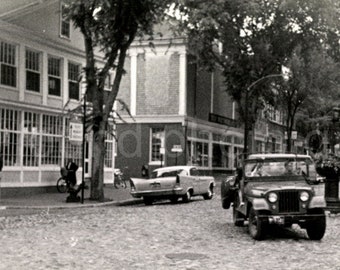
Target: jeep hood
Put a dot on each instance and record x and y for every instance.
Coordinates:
(277, 185)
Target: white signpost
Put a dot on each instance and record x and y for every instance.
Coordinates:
(176, 148)
(76, 132)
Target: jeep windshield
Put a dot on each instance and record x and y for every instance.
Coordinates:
(280, 167)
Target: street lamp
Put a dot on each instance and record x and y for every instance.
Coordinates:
(246, 126)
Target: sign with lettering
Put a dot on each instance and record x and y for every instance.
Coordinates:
(177, 148)
(76, 132)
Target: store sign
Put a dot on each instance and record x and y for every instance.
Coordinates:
(76, 132)
(293, 135)
(177, 148)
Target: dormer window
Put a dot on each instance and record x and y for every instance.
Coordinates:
(65, 25)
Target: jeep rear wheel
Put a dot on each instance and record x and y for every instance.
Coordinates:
(238, 218)
(256, 226)
(316, 229)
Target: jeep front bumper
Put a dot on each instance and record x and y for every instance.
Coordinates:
(289, 219)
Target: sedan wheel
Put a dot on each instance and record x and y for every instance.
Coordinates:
(210, 194)
(147, 200)
(256, 227)
(187, 197)
(174, 199)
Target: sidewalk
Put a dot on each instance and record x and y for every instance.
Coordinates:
(55, 200)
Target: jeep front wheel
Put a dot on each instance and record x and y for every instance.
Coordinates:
(255, 226)
(316, 229)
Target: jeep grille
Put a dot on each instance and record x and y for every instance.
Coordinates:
(288, 201)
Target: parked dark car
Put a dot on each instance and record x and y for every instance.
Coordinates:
(275, 189)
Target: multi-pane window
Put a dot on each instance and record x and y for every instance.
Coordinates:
(220, 155)
(54, 79)
(73, 81)
(9, 136)
(31, 139)
(73, 151)
(198, 152)
(51, 140)
(109, 141)
(8, 68)
(32, 71)
(157, 142)
(65, 24)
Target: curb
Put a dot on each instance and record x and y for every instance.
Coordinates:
(72, 206)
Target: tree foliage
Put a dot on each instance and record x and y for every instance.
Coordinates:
(109, 27)
(252, 39)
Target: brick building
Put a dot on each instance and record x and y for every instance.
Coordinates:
(181, 115)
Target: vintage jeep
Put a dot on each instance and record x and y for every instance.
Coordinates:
(275, 189)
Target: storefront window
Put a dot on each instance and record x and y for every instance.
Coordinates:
(198, 153)
(9, 136)
(51, 140)
(237, 156)
(73, 151)
(31, 139)
(157, 137)
(109, 141)
(220, 156)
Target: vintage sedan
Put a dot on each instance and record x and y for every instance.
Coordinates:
(173, 183)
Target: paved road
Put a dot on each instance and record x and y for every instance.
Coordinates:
(196, 235)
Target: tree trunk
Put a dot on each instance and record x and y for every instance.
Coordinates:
(98, 154)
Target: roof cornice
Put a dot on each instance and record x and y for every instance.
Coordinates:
(25, 9)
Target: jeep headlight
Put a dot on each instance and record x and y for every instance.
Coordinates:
(304, 196)
(272, 197)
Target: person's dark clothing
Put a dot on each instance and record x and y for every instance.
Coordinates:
(71, 173)
(330, 172)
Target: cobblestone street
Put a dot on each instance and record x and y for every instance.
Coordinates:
(196, 235)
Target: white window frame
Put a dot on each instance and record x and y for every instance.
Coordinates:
(54, 73)
(10, 136)
(153, 130)
(32, 65)
(8, 57)
(52, 131)
(73, 78)
(64, 22)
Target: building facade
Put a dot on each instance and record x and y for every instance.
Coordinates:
(41, 59)
(179, 114)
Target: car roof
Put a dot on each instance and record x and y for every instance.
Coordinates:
(173, 168)
(278, 156)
